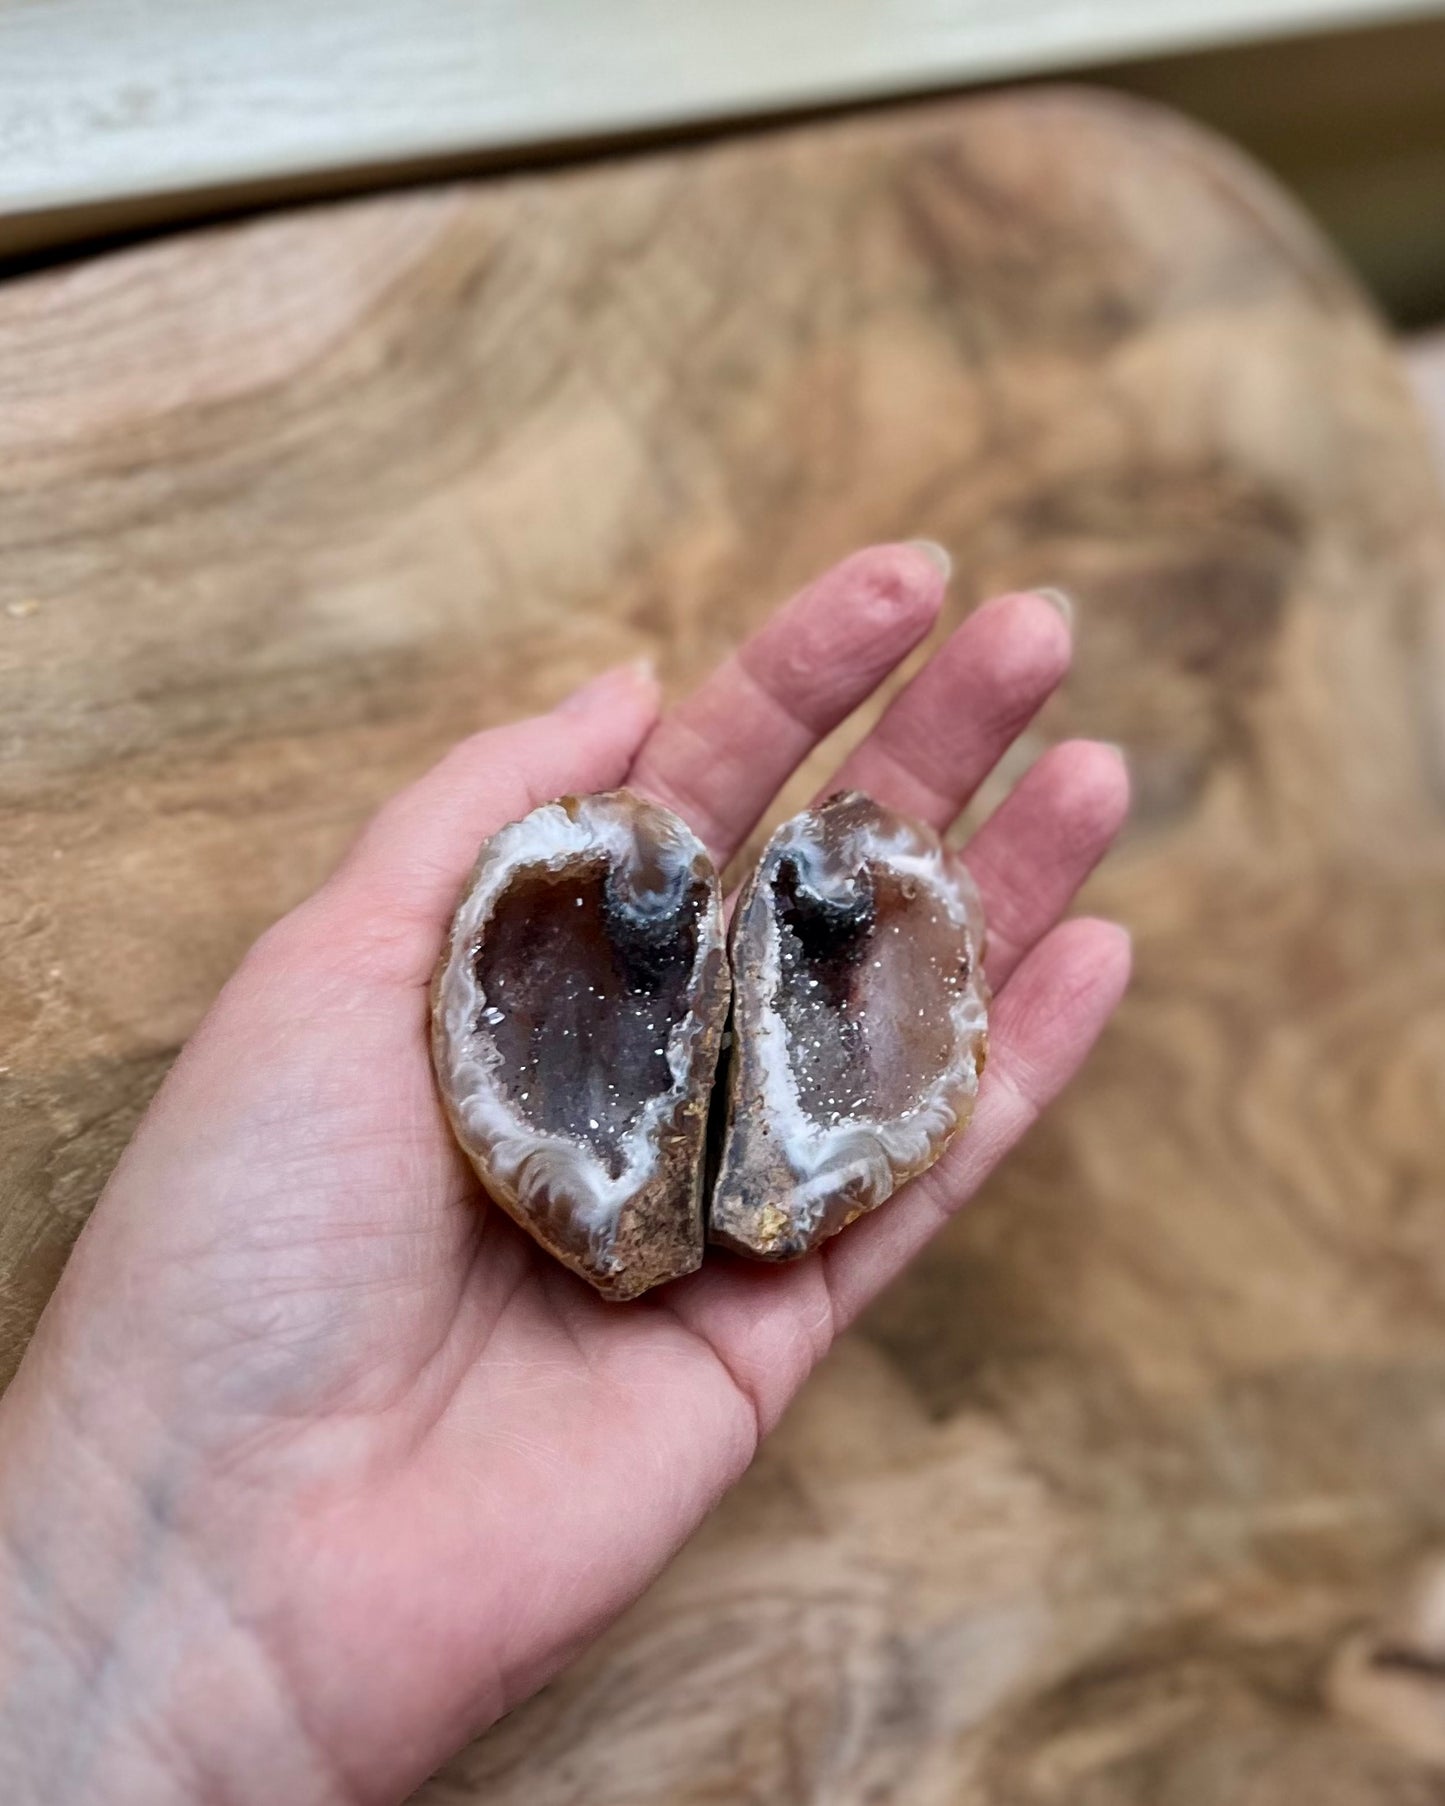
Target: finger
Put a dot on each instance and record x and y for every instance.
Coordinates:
(720, 756)
(392, 896)
(1040, 844)
(945, 731)
(1044, 1023)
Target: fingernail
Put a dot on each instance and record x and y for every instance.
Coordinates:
(936, 554)
(636, 674)
(1060, 601)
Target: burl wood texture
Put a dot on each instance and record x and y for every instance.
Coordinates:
(1110, 1501)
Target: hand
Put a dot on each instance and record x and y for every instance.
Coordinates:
(316, 1464)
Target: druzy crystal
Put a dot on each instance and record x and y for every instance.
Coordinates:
(859, 1024)
(576, 1019)
(579, 1008)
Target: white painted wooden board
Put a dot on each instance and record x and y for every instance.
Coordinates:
(104, 102)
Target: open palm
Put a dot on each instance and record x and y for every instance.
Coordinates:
(386, 1464)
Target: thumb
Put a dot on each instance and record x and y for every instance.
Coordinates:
(406, 868)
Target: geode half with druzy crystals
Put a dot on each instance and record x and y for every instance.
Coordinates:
(860, 1021)
(576, 1018)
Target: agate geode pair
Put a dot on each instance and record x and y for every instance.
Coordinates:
(581, 1004)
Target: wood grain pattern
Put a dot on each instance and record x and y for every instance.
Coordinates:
(1109, 1501)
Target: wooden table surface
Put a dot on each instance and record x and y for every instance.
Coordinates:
(1111, 1500)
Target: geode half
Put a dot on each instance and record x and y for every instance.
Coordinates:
(576, 1018)
(860, 1021)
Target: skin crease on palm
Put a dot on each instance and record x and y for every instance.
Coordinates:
(316, 1465)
